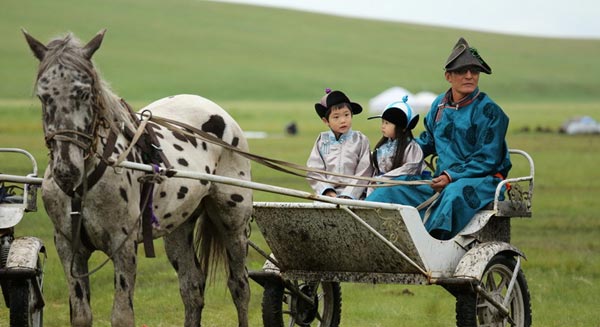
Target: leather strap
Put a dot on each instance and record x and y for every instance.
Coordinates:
(95, 176)
(146, 209)
(278, 165)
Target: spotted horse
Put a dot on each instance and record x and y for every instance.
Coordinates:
(87, 126)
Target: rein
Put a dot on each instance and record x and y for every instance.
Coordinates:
(276, 164)
(280, 165)
(146, 136)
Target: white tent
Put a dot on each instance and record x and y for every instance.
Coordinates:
(581, 125)
(420, 102)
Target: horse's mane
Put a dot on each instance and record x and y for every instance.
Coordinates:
(67, 51)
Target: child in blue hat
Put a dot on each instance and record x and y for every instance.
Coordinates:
(397, 153)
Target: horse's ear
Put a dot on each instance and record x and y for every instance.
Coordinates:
(93, 45)
(38, 48)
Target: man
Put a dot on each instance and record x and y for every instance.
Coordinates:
(467, 130)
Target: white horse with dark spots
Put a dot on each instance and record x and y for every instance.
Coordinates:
(97, 207)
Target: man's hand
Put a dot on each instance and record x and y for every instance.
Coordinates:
(440, 182)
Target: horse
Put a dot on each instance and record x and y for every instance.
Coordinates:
(86, 126)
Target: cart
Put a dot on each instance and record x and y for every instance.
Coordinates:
(317, 245)
(21, 258)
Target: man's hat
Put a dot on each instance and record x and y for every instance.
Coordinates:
(400, 114)
(462, 56)
(332, 98)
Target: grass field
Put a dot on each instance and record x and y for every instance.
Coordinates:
(560, 241)
(267, 67)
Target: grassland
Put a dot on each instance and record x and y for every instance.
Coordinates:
(267, 67)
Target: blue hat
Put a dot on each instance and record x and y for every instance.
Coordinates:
(400, 114)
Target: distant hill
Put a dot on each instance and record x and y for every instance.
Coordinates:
(223, 51)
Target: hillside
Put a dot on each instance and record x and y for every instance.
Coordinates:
(225, 51)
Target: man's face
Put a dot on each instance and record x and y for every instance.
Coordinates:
(463, 81)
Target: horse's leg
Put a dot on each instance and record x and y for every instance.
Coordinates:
(125, 263)
(236, 247)
(179, 246)
(232, 217)
(79, 288)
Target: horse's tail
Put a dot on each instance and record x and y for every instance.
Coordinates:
(209, 246)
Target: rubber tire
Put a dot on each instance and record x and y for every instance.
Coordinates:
(21, 302)
(467, 300)
(274, 297)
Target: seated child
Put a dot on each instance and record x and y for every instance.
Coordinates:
(340, 150)
(397, 153)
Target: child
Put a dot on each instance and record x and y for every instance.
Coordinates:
(340, 150)
(396, 154)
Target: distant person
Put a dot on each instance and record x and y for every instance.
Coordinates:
(291, 128)
(340, 150)
(397, 155)
(467, 131)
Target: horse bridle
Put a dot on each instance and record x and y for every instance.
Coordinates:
(66, 135)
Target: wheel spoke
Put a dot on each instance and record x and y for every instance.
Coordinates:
(490, 283)
(319, 317)
(484, 305)
(503, 283)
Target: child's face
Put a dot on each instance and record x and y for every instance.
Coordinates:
(388, 129)
(340, 120)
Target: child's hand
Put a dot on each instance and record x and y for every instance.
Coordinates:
(331, 193)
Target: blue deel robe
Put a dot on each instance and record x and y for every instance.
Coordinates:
(469, 139)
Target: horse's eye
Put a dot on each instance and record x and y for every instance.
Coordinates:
(82, 93)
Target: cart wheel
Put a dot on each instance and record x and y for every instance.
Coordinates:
(473, 310)
(26, 310)
(325, 313)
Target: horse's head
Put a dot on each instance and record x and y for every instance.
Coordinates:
(67, 85)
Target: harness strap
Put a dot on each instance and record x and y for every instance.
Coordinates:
(95, 176)
(278, 165)
(134, 141)
(146, 208)
(75, 221)
(145, 139)
(148, 140)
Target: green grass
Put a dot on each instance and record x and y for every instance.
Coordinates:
(560, 241)
(234, 52)
(267, 67)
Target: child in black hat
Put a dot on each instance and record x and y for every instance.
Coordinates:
(397, 154)
(340, 150)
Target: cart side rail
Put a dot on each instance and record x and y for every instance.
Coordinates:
(519, 202)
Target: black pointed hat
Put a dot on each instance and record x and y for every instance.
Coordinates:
(463, 55)
(332, 98)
